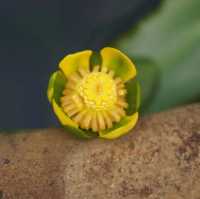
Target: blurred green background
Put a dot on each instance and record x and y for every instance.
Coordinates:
(161, 36)
(166, 50)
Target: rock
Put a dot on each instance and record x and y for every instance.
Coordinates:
(159, 159)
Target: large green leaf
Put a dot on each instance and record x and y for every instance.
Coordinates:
(149, 79)
(171, 38)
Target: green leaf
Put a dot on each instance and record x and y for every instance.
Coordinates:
(148, 75)
(171, 38)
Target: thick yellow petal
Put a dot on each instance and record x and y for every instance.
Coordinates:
(122, 128)
(115, 60)
(72, 62)
(63, 118)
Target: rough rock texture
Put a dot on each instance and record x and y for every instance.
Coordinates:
(160, 159)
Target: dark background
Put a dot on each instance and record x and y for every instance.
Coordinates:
(35, 35)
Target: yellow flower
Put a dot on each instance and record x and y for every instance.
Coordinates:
(95, 95)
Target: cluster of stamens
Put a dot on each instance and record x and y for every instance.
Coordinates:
(94, 99)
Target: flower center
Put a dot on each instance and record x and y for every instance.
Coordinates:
(98, 91)
(94, 99)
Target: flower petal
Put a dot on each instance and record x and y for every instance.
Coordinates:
(63, 118)
(56, 85)
(79, 133)
(119, 62)
(69, 124)
(72, 62)
(55, 88)
(133, 96)
(50, 89)
(120, 128)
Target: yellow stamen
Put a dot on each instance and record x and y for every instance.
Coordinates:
(96, 68)
(69, 107)
(94, 123)
(70, 85)
(107, 119)
(104, 69)
(72, 112)
(111, 73)
(75, 77)
(122, 92)
(115, 116)
(120, 111)
(100, 119)
(121, 102)
(83, 72)
(118, 80)
(79, 117)
(87, 120)
(66, 92)
(66, 101)
(94, 99)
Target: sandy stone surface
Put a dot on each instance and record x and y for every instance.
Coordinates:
(159, 159)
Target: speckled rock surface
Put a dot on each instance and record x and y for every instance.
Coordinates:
(160, 159)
